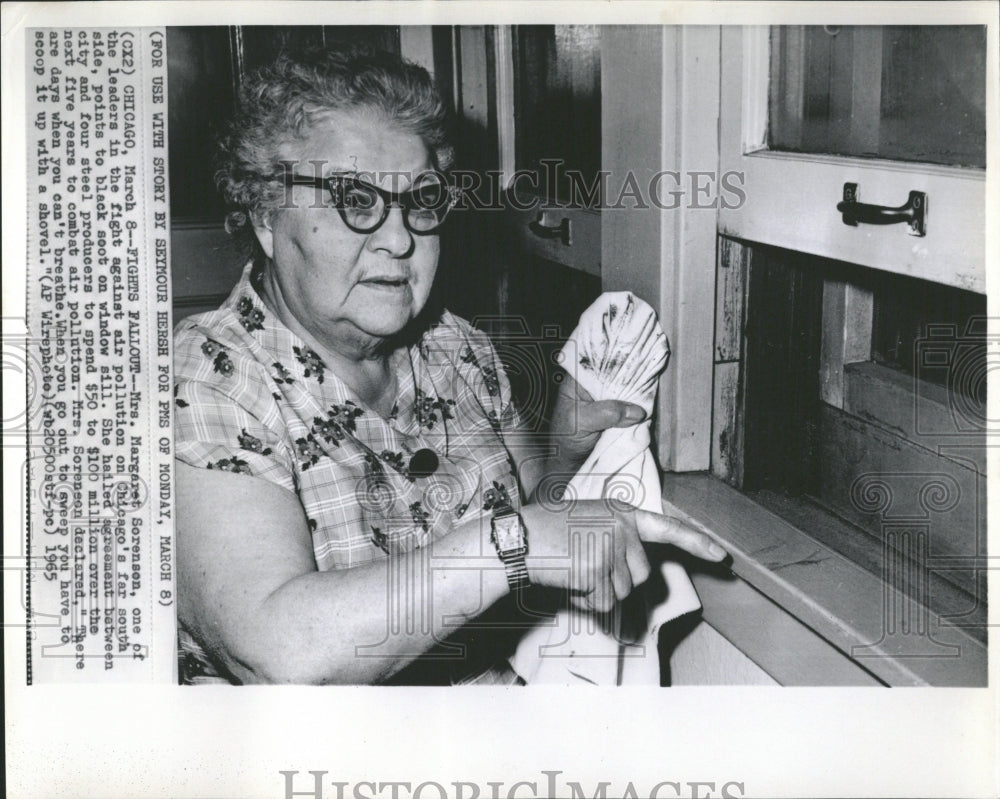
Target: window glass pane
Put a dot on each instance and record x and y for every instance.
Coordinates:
(903, 93)
(557, 100)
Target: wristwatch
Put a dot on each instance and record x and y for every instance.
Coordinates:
(511, 541)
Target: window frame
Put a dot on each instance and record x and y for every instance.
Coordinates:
(680, 69)
(694, 78)
(673, 258)
(806, 188)
(778, 211)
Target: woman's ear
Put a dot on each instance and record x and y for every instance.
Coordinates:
(262, 230)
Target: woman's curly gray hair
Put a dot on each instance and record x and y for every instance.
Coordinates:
(280, 102)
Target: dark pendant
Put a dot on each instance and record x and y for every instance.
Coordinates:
(423, 463)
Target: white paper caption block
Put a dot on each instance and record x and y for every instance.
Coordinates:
(100, 588)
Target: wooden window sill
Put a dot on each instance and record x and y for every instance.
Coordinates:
(809, 616)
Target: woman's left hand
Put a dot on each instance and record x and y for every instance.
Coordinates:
(578, 421)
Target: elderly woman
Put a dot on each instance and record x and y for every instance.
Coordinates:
(350, 471)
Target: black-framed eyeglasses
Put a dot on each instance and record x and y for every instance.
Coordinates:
(364, 207)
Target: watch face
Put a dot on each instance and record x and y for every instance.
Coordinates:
(507, 533)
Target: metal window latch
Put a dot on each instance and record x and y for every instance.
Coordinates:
(560, 231)
(914, 212)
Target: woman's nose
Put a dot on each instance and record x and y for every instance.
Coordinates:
(392, 237)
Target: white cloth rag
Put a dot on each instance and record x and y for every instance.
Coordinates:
(617, 351)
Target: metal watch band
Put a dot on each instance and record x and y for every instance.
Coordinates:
(517, 570)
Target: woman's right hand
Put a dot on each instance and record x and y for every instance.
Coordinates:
(594, 548)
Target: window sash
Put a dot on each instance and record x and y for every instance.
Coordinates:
(791, 198)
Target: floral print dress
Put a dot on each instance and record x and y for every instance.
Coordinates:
(254, 399)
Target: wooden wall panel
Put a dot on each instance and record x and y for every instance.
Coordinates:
(730, 298)
(727, 392)
(727, 423)
(891, 478)
(782, 346)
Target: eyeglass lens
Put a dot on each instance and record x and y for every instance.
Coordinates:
(364, 207)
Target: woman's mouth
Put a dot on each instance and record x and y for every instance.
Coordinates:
(387, 283)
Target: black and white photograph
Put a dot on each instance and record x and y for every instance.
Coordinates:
(500, 400)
